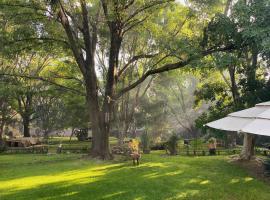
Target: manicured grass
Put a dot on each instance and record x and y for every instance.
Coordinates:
(42, 177)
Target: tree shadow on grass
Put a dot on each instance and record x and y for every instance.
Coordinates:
(48, 167)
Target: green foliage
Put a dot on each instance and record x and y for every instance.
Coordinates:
(172, 144)
(197, 143)
(221, 31)
(2, 146)
(145, 142)
(244, 82)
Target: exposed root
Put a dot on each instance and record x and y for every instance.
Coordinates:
(254, 166)
(101, 156)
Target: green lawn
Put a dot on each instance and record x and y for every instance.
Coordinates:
(42, 177)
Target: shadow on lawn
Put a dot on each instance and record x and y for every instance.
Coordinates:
(152, 180)
(27, 165)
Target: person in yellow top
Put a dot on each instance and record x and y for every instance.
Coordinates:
(212, 146)
(134, 149)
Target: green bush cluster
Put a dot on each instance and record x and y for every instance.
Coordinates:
(145, 142)
(172, 144)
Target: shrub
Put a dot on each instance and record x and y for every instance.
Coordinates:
(197, 144)
(159, 146)
(2, 146)
(172, 145)
(145, 141)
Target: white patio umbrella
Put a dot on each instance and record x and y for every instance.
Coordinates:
(255, 120)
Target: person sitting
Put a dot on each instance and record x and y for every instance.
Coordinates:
(134, 151)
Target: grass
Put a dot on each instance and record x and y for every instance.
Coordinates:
(69, 177)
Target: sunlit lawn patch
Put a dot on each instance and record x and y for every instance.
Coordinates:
(158, 177)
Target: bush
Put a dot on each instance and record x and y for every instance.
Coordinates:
(121, 150)
(145, 141)
(172, 145)
(197, 144)
(2, 146)
(159, 146)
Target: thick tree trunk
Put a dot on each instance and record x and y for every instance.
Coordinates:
(100, 143)
(100, 129)
(248, 147)
(102, 121)
(99, 115)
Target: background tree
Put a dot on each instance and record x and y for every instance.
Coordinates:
(177, 90)
(7, 114)
(247, 64)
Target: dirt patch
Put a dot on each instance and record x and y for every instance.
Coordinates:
(254, 167)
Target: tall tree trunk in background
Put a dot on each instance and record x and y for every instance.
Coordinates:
(248, 147)
(234, 88)
(228, 7)
(251, 78)
(249, 140)
(25, 110)
(1, 133)
(26, 124)
(72, 134)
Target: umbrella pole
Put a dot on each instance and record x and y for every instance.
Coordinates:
(248, 147)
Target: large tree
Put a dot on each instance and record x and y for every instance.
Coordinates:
(88, 27)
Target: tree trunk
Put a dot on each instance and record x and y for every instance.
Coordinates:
(251, 84)
(248, 147)
(1, 134)
(100, 129)
(26, 129)
(99, 115)
(234, 88)
(46, 134)
(72, 133)
(100, 143)
(101, 118)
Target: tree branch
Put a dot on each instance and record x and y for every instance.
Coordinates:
(145, 7)
(44, 80)
(171, 66)
(38, 38)
(133, 59)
